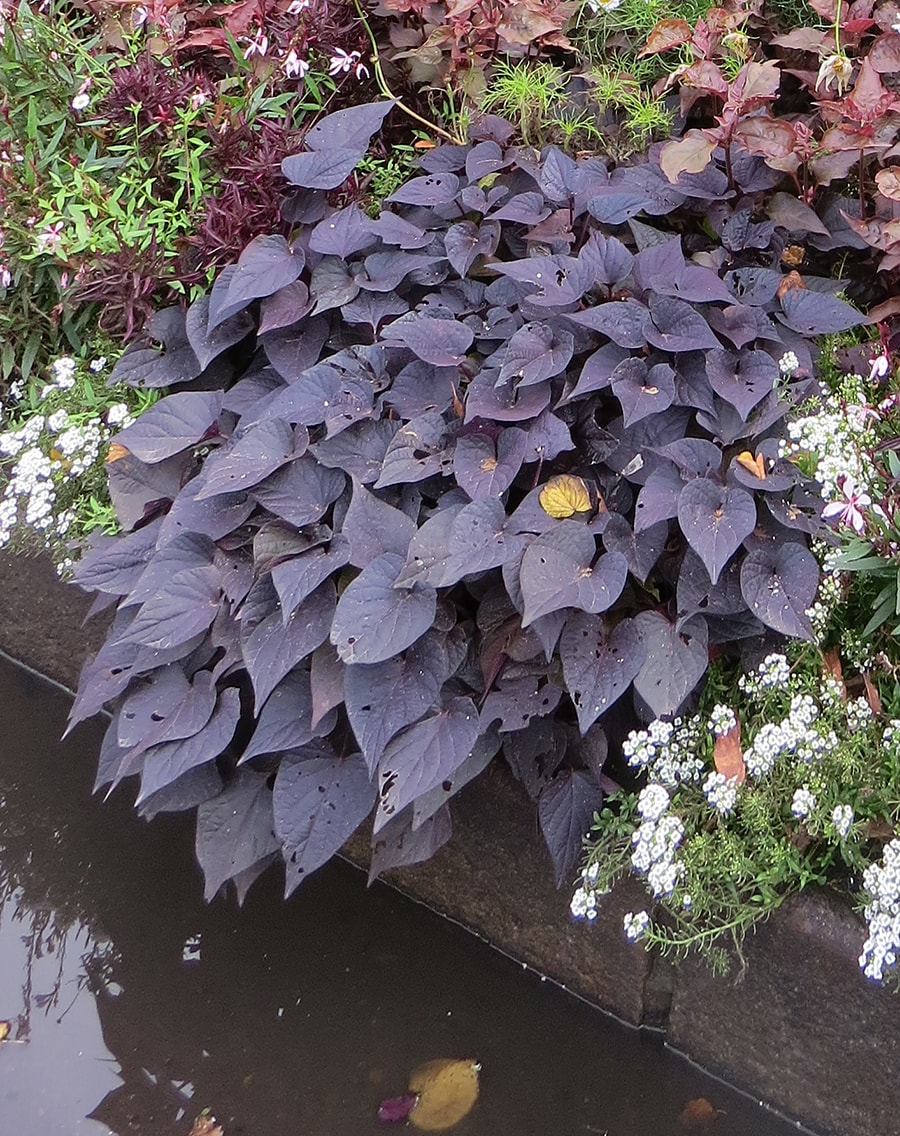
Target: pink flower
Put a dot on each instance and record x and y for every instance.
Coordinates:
(879, 367)
(849, 511)
(294, 66)
(49, 239)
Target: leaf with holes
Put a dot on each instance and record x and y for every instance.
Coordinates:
(424, 756)
(675, 660)
(716, 520)
(742, 378)
(779, 584)
(557, 572)
(599, 664)
(374, 620)
(318, 804)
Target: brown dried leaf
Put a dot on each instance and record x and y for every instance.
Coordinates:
(885, 310)
(755, 465)
(5, 1029)
(793, 256)
(115, 452)
(690, 154)
(207, 1125)
(771, 138)
(666, 35)
(872, 696)
(793, 282)
(728, 756)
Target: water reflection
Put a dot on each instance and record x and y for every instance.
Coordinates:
(136, 1006)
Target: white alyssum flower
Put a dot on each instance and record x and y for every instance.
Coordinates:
(859, 715)
(882, 882)
(58, 420)
(81, 102)
(583, 904)
(635, 925)
(720, 792)
(97, 365)
(653, 802)
(842, 819)
(803, 803)
(721, 720)
(119, 415)
(788, 363)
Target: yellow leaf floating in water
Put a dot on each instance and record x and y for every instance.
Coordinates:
(4, 1031)
(564, 495)
(447, 1089)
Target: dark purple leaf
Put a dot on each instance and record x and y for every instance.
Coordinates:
(467, 241)
(742, 378)
(534, 353)
(293, 350)
(566, 811)
(301, 492)
(318, 804)
(173, 424)
(643, 390)
(165, 763)
(599, 664)
(673, 325)
(715, 520)
(195, 787)
(443, 343)
(383, 698)
(359, 450)
(252, 458)
(435, 189)
(331, 285)
(299, 577)
(452, 545)
(812, 313)
(606, 260)
(321, 169)
(523, 209)
(557, 572)
(398, 845)
(640, 549)
(138, 489)
(372, 527)
(288, 305)
(326, 681)
(675, 660)
(187, 607)
(374, 620)
(351, 128)
(209, 344)
(621, 320)
(117, 567)
(435, 800)
(425, 755)
(272, 648)
(614, 206)
(418, 450)
(373, 308)
(396, 230)
(265, 266)
(779, 583)
(487, 398)
(342, 233)
(485, 468)
(516, 701)
(235, 830)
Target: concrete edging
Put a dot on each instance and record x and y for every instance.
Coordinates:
(800, 1028)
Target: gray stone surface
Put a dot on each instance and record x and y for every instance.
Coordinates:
(800, 1028)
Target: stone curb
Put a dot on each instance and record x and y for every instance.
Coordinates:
(799, 1028)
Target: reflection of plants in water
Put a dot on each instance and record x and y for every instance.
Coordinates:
(47, 937)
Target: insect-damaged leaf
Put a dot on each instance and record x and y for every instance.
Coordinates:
(425, 755)
(172, 425)
(318, 803)
(779, 584)
(675, 660)
(599, 663)
(165, 763)
(566, 810)
(715, 520)
(382, 698)
(375, 620)
(557, 572)
(351, 128)
(255, 455)
(741, 378)
(235, 830)
(398, 844)
(536, 352)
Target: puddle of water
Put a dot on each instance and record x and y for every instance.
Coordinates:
(134, 1006)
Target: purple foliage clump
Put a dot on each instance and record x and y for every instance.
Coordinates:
(339, 595)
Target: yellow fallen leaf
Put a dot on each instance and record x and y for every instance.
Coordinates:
(447, 1089)
(4, 1030)
(755, 465)
(564, 495)
(207, 1125)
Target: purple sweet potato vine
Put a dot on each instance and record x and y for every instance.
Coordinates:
(339, 597)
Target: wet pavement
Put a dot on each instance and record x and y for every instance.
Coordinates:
(134, 1006)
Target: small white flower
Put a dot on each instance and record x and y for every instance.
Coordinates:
(258, 45)
(5, 276)
(721, 720)
(636, 924)
(81, 102)
(198, 99)
(835, 70)
(97, 365)
(803, 803)
(58, 420)
(788, 363)
(720, 792)
(294, 66)
(842, 819)
(652, 802)
(342, 62)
